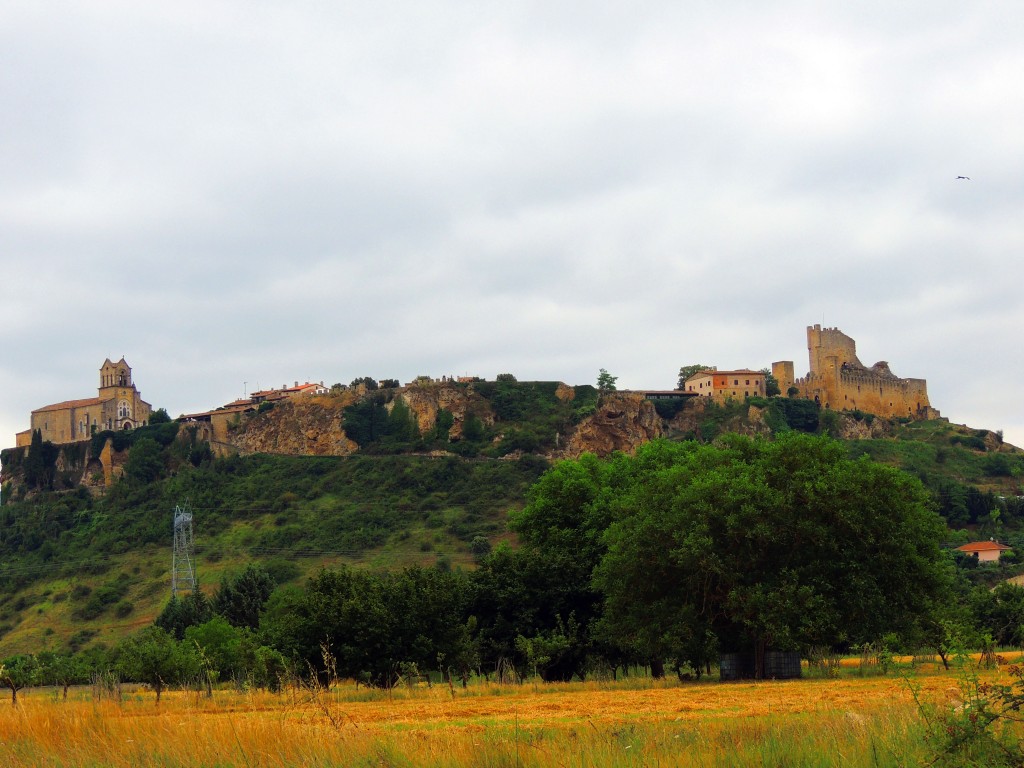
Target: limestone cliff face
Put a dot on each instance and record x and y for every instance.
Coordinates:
(850, 428)
(424, 400)
(302, 426)
(688, 420)
(622, 422)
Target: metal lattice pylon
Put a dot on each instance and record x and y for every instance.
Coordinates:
(183, 568)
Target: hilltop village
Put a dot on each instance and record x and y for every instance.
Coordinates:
(836, 380)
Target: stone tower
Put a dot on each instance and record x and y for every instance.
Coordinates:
(838, 380)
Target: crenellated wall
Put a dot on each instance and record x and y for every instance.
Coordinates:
(838, 380)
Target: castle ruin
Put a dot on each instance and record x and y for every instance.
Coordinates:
(839, 381)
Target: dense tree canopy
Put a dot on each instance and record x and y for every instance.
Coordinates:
(780, 544)
(240, 599)
(742, 545)
(686, 371)
(370, 626)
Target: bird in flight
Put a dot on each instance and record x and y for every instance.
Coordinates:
(968, 178)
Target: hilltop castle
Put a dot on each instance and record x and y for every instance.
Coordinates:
(838, 380)
(117, 406)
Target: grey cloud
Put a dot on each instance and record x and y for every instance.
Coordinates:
(279, 191)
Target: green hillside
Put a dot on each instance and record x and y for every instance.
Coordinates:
(80, 567)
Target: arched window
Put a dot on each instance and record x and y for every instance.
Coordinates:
(124, 410)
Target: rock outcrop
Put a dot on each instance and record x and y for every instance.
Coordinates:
(425, 400)
(623, 421)
(302, 426)
(849, 428)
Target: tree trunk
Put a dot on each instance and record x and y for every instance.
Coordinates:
(657, 669)
(760, 647)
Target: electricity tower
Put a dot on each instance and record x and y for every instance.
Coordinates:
(183, 568)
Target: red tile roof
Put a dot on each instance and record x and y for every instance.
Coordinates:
(982, 546)
(71, 404)
(299, 388)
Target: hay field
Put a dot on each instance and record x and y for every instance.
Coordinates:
(850, 721)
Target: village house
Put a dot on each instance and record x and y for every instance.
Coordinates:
(726, 385)
(986, 551)
(285, 391)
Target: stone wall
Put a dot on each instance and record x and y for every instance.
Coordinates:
(838, 380)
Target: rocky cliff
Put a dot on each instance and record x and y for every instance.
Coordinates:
(425, 400)
(309, 426)
(622, 421)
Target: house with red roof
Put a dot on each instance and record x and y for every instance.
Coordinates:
(986, 551)
(726, 385)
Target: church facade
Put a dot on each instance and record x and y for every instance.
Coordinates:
(117, 405)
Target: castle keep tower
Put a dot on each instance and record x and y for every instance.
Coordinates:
(838, 380)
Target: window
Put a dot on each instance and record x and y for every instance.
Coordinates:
(124, 410)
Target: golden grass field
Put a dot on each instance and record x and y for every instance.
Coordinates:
(851, 721)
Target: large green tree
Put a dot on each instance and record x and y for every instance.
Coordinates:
(686, 371)
(371, 624)
(62, 670)
(605, 381)
(543, 592)
(755, 544)
(240, 599)
(17, 672)
(154, 657)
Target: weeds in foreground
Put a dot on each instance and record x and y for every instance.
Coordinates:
(981, 723)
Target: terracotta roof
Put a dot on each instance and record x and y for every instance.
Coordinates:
(72, 404)
(299, 388)
(744, 371)
(676, 392)
(982, 546)
(236, 407)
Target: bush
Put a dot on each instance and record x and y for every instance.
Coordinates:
(801, 415)
(667, 409)
(997, 465)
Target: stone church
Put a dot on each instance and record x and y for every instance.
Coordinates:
(117, 406)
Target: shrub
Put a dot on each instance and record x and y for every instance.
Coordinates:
(667, 409)
(973, 442)
(997, 465)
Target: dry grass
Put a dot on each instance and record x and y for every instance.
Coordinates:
(851, 721)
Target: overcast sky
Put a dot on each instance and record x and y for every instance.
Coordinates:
(233, 195)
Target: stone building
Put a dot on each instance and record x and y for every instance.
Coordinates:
(726, 385)
(118, 405)
(838, 380)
